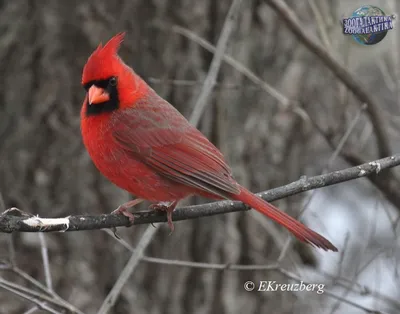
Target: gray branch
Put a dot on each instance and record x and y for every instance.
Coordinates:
(15, 219)
(341, 72)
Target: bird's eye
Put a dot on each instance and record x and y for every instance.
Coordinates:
(113, 81)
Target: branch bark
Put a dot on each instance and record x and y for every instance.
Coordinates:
(387, 184)
(210, 80)
(373, 107)
(15, 219)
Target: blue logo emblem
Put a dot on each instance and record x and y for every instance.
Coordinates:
(368, 25)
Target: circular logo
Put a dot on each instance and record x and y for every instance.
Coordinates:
(366, 38)
(249, 286)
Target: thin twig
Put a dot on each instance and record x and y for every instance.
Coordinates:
(19, 272)
(233, 267)
(343, 254)
(2, 204)
(340, 269)
(282, 99)
(360, 268)
(46, 264)
(386, 184)
(16, 220)
(60, 301)
(196, 83)
(334, 295)
(344, 138)
(320, 24)
(25, 296)
(341, 72)
(241, 68)
(128, 270)
(344, 282)
(11, 250)
(32, 310)
(211, 77)
(29, 294)
(328, 165)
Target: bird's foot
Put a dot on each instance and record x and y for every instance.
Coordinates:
(166, 207)
(123, 209)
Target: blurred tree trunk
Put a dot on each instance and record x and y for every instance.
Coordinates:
(46, 171)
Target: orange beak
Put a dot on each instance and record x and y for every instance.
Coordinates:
(97, 95)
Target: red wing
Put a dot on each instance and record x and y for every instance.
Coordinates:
(174, 148)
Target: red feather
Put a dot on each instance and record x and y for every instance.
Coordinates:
(173, 147)
(148, 148)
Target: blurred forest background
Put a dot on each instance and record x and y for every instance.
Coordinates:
(45, 170)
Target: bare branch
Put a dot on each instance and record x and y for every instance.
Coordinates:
(241, 68)
(210, 80)
(237, 267)
(46, 263)
(373, 109)
(38, 298)
(328, 165)
(35, 283)
(14, 219)
(332, 294)
(136, 256)
(197, 83)
(387, 184)
(40, 304)
(340, 281)
(32, 310)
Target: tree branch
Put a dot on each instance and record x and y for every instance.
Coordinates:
(210, 80)
(14, 219)
(387, 184)
(341, 72)
(130, 266)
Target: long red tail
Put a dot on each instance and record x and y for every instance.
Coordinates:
(298, 229)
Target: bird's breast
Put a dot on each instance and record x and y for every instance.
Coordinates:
(123, 169)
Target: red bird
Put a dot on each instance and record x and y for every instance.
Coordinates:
(142, 144)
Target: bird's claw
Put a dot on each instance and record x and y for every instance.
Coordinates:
(168, 208)
(122, 210)
(114, 230)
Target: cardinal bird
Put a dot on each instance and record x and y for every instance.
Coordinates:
(144, 145)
